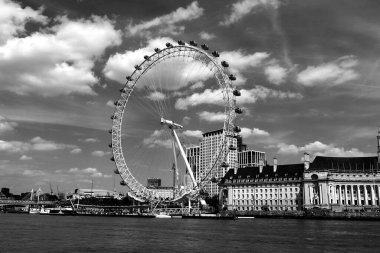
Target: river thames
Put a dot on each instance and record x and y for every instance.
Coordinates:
(35, 233)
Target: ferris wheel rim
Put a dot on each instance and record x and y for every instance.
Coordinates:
(139, 190)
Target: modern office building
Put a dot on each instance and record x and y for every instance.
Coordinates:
(250, 158)
(210, 148)
(192, 154)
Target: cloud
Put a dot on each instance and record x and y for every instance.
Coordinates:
(193, 133)
(212, 116)
(247, 132)
(262, 93)
(275, 74)
(69, 49)
(90, 140)
(35, 144)
(240, 62)
(245, 7)
(214, 97)
(335, 72)
(76, 151)
(206, 36)
(197, 85)
(13, 19)
(33, 173)
(110, 103)
(167, 24)
(92, 172)
(318, 148)
(6, 126)
(156, 96)
(158, 139)
(99, 153)
(25, 158)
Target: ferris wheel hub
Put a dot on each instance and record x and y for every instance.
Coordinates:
(170, 124)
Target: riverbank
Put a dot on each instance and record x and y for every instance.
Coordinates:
(311, 214)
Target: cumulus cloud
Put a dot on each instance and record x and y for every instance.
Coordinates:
(76, 151)
(318, 148)
(93, 172)
(69, 49)
(25, 158)
(35, 144)
(33, 173)
(193, 133)
(90, 140)
(240, 62)
(214, 97)
(13, 19)
(197, 85)
(245, 7)
(275, 74)
(110, 103)
(167, 24)
(158, 139)
(212, 116)
(156, 96)
(248, 132)
(99, 153)
(6, 125)
(206, 36)
(335, 72)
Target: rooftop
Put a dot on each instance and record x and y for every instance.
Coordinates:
(352, 164)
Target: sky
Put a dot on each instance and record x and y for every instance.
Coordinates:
(308, 71)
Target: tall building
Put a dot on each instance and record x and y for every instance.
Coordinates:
(250, 158)
(192, 155)
(210, 147)
(153, 182)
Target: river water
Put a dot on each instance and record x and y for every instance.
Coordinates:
(35, 233)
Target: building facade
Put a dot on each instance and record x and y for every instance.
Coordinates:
(343, 183)
(210, 147)
(250, 158)
(263, 187)
(192, 155)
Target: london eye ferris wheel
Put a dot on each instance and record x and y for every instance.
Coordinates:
(157, 116)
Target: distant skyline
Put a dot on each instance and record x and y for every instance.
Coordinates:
(308, 70)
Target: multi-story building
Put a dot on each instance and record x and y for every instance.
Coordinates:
(334, 183)
(153, 182)
(250, 158)
(192, 154)
(210, 147)
(263, 187)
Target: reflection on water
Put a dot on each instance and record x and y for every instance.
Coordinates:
(33, 233)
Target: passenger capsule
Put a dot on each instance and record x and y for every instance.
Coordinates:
(193, 43)
(232, 77)
(137, 67)
(215, 54)
(236, 93)
(129, 78)
(110, 145)
(116, 102)
(237, 129)
(204, 47)
(238, 110)
(157, 50)
(225, 64)
(110, 131)
(146, 57)
(116, 171)
(122, 90)
(113, 117)
(112, 159)
(181, 43)
(169, 45)
(123, 182)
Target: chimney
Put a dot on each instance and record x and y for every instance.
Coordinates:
(306, 160)
(274, 164)
(378, 146)
(261, 165)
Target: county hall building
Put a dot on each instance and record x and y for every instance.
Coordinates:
(334, 183)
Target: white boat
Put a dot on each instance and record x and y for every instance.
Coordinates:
(34, 210)
(57, 211)
(163, 216)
